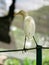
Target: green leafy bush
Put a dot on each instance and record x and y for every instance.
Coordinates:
(28, 61)
(11, 61)
(34, 62)
(45, 61)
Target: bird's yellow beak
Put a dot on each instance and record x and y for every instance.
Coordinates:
(18, 14)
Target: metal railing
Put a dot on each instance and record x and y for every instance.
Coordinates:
(38, 52)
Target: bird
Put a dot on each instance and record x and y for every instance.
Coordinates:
(29, 26)
(5, 23)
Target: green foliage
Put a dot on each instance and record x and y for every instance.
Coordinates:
(27, 61)
(14, 61)
(45, 61)
(33, 62)
(11, 61)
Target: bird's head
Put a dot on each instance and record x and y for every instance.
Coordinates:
(22, 12)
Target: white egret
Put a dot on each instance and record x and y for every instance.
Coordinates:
(29, 26)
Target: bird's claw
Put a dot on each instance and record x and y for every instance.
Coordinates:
(24, 50)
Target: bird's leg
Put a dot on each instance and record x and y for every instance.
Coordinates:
(35, 40)
(24, 44)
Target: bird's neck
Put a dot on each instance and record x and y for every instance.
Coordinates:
(25, 14)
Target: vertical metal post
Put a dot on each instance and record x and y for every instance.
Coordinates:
(39, 55)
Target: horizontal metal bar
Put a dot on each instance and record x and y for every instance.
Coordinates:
(22, 49)
(45, 47)
(17, 50)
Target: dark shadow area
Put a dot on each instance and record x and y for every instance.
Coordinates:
(5, 23)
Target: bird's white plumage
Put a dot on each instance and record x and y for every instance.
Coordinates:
(29, 27)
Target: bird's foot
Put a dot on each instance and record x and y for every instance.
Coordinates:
(24, 50)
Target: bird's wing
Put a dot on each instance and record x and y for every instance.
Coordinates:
(29, 26)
